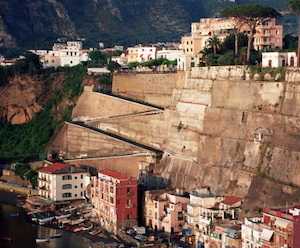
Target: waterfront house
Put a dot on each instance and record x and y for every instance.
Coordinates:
(114, 196)
(60, 182)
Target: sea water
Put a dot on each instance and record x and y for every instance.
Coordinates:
(24, 234)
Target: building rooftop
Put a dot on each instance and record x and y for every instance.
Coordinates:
(231, 200)
(53, 167)
(113, 174)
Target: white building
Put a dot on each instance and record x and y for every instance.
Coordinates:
(279, 59)
(121, 60)
(184, 62)
(63, 182)
(251, 231)
(146, 53)
(169, 54)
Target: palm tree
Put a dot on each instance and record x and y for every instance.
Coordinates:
(214, 43)
(294, 5)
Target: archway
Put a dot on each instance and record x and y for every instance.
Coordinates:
(292, 61)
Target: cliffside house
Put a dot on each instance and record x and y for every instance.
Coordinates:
(251, 231)
(267, 35)
(165, 212)
(202, 205)
(60, 182)
(114, 196)
(231, 202)
(279, 59)
(281, 227)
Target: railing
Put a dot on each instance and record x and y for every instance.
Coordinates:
(261, 35)
(129, 194)
(129, 206)
(263, 26)
(262, 43)
(43, 179)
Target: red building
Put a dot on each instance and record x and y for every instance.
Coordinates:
(281, 227)
(114, 197)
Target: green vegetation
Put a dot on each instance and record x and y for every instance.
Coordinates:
(153, 62)
(250, 15)
(23, 170)
(180, 126)
(257, 209)
(31, 138)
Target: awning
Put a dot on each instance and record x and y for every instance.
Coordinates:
(266, 234)
(282, 223)
(217, 232)
(205, 32)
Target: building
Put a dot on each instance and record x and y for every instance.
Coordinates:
(280, 227)
(114, 197)
(132, 54)
(231, 202)
(279, 59)
(121, 60)
(167, 212)
(169, 54)
(60, 182)
(267, 35)
(251, 231)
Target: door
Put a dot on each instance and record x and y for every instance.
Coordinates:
(270, 63)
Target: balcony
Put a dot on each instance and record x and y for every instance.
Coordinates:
(263, 27)
(45, 189)
(43, 179)
(262, 43)
(129, 194)
(262, 35)
(252, 239)
(129, 206)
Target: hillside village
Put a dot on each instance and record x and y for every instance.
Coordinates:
(213, 141)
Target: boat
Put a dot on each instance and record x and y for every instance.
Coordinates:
(7, 239)
(42, 240)
(96, 232)
(45, 220)
(69, 226)
(87, 228)
(78, 229)
(55, 236)
(14, 215)
(78, 221)
(59, 217)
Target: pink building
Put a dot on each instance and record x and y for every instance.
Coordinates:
(168, 212)
(114, 197)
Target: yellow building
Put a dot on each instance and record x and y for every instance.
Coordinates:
(132, 54)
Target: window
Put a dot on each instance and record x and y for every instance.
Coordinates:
(75, 177)
(180, 216)
(191, 42)
(112, 200)
(277, 32)
(128, 216)
(187, 42)
(75, 186)
(155, 216)
(71, 53)
(118, 202)
(150, 212)
(155, 204)
(75, 53)
(81, 193)
(128, 192)
(111, 189)
(277, 40)
(81, 185)
(75, 195)
(67, 186)
(118, 191)
(81, 176)
(67, 177)
(71, 62)
(128, 202)
(66, 195)
(67, 53)
(191, 49)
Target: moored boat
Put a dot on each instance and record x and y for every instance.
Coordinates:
(55, 236)
(78, 229)
(42, 240)
(96, 232)
(87, 228)
(14, 215)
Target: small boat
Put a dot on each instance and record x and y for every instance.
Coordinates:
(87, 228)
(42, 240)
(7, 239)
(55, 236)
(59, 217)
(14, 215)
(78, 229)
(70, 226)
(96, 232)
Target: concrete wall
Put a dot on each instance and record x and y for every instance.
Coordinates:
(94, 104)
(156, 89)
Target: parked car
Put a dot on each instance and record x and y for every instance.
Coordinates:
(131, 232)
(140, 237)
(176, 236)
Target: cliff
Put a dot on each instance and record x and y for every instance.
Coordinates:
(221, 129)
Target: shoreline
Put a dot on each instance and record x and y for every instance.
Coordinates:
(12, 199)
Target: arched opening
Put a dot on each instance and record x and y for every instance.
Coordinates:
(54, 155)
(292, 61)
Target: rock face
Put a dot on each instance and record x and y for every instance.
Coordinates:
(237, 136)
(19, 99)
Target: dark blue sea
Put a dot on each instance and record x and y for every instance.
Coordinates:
(24, 234)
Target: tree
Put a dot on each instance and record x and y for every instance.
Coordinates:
(112, 66)
(252, 15)
(214, 43)
(294, 5)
